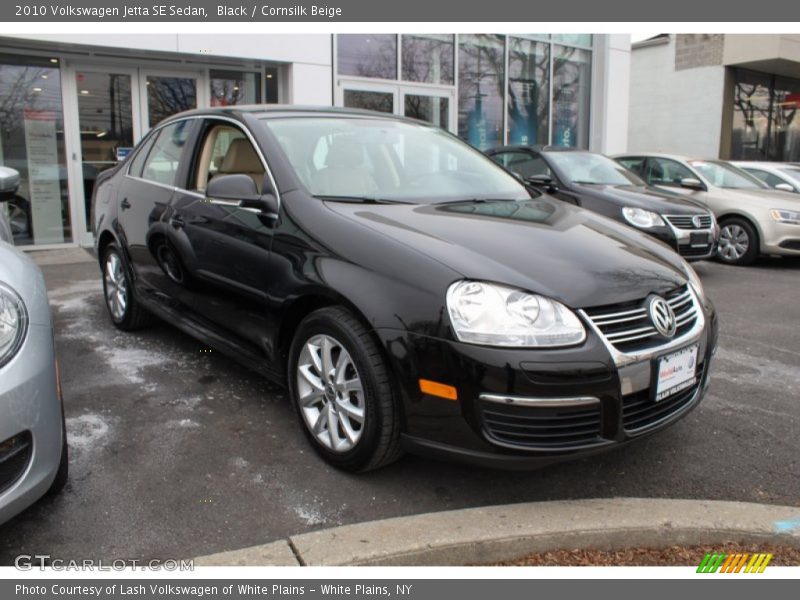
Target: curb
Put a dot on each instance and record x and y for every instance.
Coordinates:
(479, 536)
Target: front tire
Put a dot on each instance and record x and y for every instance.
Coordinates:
(340, 387)
(738, 242)
(125, 311)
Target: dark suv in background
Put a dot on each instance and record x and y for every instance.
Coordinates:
(602, 185)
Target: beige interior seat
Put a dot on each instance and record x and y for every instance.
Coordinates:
(241, 158)
(344, 173)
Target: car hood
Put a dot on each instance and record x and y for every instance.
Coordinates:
(642, 197)
(573, 255)
(759, 198)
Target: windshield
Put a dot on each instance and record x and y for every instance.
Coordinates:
(584, 167)
(724, 175)
(353, 158)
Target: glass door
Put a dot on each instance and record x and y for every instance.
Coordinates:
(106, 122)
(428, 104)
(168, 93)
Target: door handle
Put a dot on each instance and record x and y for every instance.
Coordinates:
(177, 222)
(125, 205)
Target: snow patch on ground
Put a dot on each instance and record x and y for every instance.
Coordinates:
(87, 432)
(310, 515)
(129, 362)
(240, 463)
(182, 424)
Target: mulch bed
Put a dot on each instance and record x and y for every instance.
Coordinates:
(686, 556)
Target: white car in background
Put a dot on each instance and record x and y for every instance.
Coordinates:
(753, 218)
(779, 176)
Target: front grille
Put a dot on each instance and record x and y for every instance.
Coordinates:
(628, 326)
(688, 250)
(15, 453)
(640, 412)
(541, 427)
(687, 221)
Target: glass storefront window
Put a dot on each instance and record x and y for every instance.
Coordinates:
(229, 88)
(528, 92)
(751, 104)
(481, 74)
(573, 39)
(167, 96)
(378, 101)
(105, 116)
(428, 58)
(766, 125)
(433, 109)
(367, 55)
(32, 142)
(785, 142)
(572, 75)
(271, 85)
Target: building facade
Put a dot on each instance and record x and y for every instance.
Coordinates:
(730, 96)
(72, 106)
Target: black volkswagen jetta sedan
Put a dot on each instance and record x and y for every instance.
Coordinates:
(409, 291)
(599, 183)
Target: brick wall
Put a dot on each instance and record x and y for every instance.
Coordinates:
(694, 50)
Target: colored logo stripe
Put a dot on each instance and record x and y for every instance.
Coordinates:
(734, 563)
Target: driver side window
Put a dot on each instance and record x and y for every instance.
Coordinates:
(523, 163)
(227, 151)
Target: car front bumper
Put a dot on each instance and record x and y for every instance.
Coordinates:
(31, 423)
(528, 408)
(680, 240)
(780, 238)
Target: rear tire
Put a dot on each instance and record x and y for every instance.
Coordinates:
(125, 311)
(738, 242)
(340, 387)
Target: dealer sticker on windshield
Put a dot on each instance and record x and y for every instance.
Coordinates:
(676, 372)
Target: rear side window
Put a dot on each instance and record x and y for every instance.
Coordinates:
(137, 162)
(162, 161)
(664, 171)
(765, 176)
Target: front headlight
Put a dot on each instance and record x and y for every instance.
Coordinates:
(694, 281)
(496, 315)
(790, 217)
(644, 219)
(13, 323)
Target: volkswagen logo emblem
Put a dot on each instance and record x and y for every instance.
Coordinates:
(662, 316)
(697, 221)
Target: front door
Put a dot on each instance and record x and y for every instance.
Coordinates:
(428, 104)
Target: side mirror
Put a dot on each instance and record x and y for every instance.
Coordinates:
(9, 183)
(690, 183)
(240, 190)
(785, 187)
(545, 181)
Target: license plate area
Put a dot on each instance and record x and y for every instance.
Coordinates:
(674, 372)
(698, 239)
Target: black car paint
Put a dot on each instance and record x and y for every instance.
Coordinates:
(251, 278)
(609, 200)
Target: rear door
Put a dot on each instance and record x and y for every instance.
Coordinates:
(144, 197)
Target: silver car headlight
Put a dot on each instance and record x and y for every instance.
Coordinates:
(644, 219)
(789, 217)
(496, 315)
(13, 323)
(694, 281)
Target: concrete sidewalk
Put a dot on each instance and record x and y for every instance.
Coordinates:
(498, 533)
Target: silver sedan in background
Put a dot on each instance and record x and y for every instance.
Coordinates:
(33, 443)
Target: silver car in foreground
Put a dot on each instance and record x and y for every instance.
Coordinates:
(33, 445)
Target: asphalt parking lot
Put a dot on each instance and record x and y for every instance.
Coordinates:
(178, 452)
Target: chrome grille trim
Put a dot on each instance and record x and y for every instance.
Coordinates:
(688, 313)
(686, 221)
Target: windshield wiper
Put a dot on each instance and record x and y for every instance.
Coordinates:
(361, 199)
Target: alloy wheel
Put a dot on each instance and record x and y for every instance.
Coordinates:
(116, 287)
(733, 242)
(330, 393)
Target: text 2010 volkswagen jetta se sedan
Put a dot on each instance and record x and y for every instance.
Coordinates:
(408, 290)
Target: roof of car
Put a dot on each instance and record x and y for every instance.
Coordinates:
(682, 157)
(764, 164)
(286, 110)
(538, 148)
